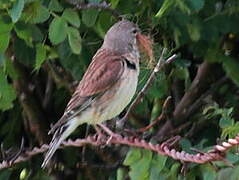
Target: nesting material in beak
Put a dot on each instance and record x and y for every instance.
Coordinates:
(145, 45)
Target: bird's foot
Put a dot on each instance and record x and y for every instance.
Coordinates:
(172, 141)
(109, 132)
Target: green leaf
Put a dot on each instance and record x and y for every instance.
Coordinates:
(5, 25)
(10, 70)
(89, 17)
(16, 10)
(74, 40)
(121, 174)
(173, 173)
(225, 122)
(72, 17)
(133, 155)
(72, 62)
(224, 174)
(5, 174)
(7, 93)
(165, 8)
(140, 169)
(185, 144)
(156, 166)
(58, 30)
(159, 87)
(24, 32)
(194, 31)
(208, 172)
(4, 41)
(231, 66)
(114, 3)
(54, 5)
(35, 13)
(40, 55)
(24, 53)
(183, 6)
(197, 5)
(103, 24)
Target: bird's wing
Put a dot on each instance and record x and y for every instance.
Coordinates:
(104, 71)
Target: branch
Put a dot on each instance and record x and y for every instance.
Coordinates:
(92, 5)
(159, 118)
(216, 154)
(199, 84)
(31, 107)
(161, 64)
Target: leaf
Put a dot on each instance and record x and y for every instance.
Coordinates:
(231, 67)
(54, 5)
(16, 10)
(140, 169)
(183, 6)
(173, 173)
(114, 3)
(225, 122)
(103, 24)
(208, 172)
(58, 30)
(40, 55)
(224, 174)
(24, 53)
(72, 17)
(156, 166)
(121, 174)
(89, 17)
(4, 41)
(74, 40)
(10, 70)
(165, 8)
(5, 25)
(197, 5)
(7, 93)
(24, 31)
(133, 155)
(185, 144)
(159, 87)
(35, 13)
(72, 62)
(194, 31)
(5, 174)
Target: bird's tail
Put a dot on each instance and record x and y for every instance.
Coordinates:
(60, 135)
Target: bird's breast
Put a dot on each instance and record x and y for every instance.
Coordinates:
(119, 96)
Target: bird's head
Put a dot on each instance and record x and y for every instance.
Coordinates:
(124, 37)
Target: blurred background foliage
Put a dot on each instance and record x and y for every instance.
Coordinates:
(46, 46)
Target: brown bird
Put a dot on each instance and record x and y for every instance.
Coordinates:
(108, 85)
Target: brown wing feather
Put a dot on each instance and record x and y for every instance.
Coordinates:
(103, 72)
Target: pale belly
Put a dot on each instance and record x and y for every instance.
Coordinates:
(114, 105)
(121, 99)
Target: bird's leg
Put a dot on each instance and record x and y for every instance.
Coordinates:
(109, 132)
(98, 132)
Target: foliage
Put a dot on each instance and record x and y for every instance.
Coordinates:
(46, 45)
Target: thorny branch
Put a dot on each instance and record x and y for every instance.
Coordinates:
(161, 63)
(216, 154)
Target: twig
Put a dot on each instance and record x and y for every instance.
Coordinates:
(48, 92)
(198, 86)
(32, 109)
(216, 154)
(159, 118)
(142, 92)
(92, 5)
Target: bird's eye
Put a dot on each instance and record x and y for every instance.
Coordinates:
(134, 31)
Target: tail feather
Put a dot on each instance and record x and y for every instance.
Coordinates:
(59, 136)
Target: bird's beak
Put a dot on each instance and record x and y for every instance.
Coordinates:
(145, 45)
